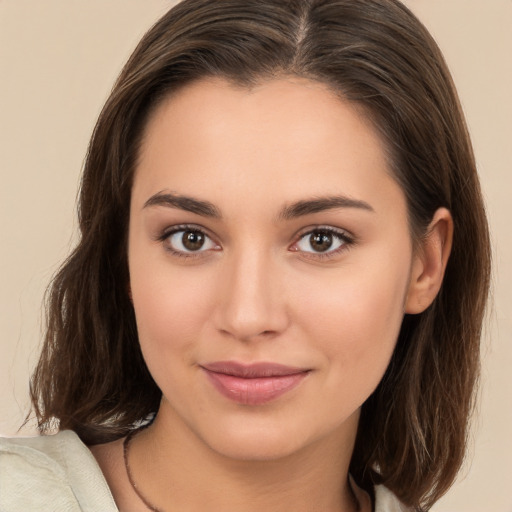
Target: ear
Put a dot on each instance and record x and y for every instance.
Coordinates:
(429, 263)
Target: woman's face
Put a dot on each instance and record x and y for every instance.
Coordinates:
(270, 260)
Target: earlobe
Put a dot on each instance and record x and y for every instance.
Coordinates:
(429, 264)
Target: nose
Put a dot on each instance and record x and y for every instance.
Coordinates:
(251, 303)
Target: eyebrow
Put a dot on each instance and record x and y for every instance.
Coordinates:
(189, 204)
(320, 204)
(291, 211)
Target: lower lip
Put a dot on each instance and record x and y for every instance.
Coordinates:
(254, 391)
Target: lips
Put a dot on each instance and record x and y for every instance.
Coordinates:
(253, 384)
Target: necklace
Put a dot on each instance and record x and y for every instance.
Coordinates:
(126, 446)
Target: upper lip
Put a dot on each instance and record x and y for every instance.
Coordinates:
(252, 370)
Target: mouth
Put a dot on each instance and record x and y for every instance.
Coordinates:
(253, 384)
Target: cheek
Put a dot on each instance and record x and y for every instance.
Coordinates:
(355, 319)
(170, 307)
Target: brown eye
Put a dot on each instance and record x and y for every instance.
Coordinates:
(192, 240)
(323, 240)
(185, 241)
(320, 242)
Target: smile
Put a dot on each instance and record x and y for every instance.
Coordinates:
(253, 384)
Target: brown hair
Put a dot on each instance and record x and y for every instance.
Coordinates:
(91, 376)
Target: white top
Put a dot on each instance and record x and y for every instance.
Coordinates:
(59, 474)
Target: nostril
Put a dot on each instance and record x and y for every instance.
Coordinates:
(247, 335)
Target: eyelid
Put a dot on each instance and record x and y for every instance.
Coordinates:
(171, 230)
(347, 238)
(343, 233)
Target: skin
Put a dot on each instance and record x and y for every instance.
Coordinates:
(258, 291)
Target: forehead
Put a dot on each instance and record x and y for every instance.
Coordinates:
(287, 134)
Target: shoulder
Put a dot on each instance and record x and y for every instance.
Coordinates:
(386, 501)
(56, 470)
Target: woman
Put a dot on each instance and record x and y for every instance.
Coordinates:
(272, 305)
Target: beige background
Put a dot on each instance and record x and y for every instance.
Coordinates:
(58, 60)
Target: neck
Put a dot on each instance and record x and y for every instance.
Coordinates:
(180, 472)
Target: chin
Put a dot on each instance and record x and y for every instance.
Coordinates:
(253, 440)
(255, 448)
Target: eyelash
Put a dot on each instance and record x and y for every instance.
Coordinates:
(176, 229)
(346, 239)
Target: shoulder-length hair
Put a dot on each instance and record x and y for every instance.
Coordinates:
(91, 376)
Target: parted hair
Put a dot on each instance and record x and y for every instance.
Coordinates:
(91, 376)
